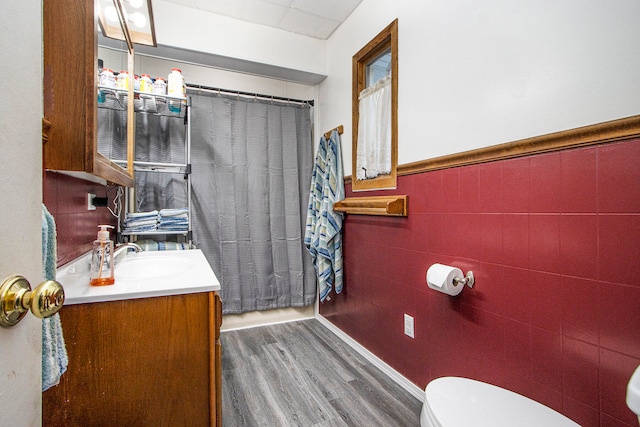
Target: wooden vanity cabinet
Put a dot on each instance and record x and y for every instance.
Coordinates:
(142, 362)
(70, 37)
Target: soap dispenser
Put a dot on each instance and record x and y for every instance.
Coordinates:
(101, 258)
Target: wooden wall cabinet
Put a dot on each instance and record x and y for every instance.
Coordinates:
(70, 37)
(142, 362)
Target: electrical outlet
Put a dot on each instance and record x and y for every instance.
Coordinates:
(90, 205)
(408, 326)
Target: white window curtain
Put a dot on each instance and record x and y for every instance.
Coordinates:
(374, 131)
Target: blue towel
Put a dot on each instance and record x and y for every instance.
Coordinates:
(151, 245)
(151, 214)
(178, 227)
(164, 220)
(323, 230)
(173, 220)
(140, 229)
(54, 353)
(174, 212)
(140, 222)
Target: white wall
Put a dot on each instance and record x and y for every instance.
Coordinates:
(208, 76)
(478, 73)
(203, 31)
(471, 73)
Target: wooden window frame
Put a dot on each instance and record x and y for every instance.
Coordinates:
(385, 40)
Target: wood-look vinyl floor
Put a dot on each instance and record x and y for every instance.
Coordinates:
(301, 374)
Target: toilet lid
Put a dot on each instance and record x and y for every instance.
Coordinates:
(462, 402)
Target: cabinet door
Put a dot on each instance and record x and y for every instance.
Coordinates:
(143, 362)
(70, 91)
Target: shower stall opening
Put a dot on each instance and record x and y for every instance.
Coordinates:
(251, 165)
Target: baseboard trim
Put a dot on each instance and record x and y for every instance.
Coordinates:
(255, 319)
(396, 376)
(277, 322)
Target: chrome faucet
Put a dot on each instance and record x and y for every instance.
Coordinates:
(124, 248)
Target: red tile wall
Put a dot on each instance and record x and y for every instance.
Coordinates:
(66, 199)
(554, 243)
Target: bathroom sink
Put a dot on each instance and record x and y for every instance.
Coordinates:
(141, 275)
(140, 266)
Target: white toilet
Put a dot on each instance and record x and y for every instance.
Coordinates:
(462, 402)
(633, 393)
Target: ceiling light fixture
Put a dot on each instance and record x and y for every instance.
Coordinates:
(128, 20)
(138, 19)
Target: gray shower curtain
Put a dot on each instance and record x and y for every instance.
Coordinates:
(251, 171)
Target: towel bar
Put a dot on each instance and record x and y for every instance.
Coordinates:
(395, 205)
(340, 130)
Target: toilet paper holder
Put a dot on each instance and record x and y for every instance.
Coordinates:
(468, 280)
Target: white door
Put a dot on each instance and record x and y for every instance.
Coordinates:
(21, 195)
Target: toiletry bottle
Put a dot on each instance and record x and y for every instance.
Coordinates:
(101, 258)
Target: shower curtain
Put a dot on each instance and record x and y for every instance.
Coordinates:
(251, 169)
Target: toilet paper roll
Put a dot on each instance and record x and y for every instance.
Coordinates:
(440, 277)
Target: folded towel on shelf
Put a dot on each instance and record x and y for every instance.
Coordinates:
(141, 216)
(138, 222)
(151, 245)
(181, 217)
(137, 215)
(165, 220)
(140, 229)
(54, 353)
(173, 220)
(174, 212)
(173, 227)
(170, 222)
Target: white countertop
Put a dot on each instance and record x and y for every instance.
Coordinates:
(140, 275)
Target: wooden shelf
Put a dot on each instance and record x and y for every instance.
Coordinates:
(395, 205)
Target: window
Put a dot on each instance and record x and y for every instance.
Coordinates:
(375, 112)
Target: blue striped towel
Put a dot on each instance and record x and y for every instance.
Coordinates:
(323, 230)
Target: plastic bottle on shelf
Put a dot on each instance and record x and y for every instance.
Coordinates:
(146, 85)
(136, 82)
(159, 86)
(176, 85)
(107, 78)
(102, 259)
(123, 80)
(101, 97)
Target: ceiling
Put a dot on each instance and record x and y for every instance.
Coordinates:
(313, 18)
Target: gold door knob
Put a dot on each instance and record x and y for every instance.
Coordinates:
(16, 298)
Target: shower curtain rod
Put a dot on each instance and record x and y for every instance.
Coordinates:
(250, 94)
